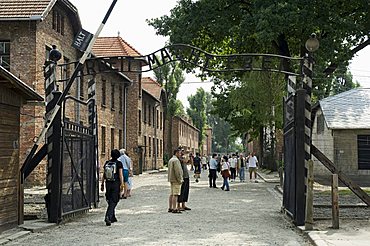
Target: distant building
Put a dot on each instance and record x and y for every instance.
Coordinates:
(185, 134)
(152, 119)
(207, 142)
(341, 130)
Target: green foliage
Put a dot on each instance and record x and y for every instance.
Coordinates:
(197, 112)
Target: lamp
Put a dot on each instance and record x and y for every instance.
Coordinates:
(312, 44)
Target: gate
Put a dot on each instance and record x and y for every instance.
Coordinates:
(294, 154)
(79, 170)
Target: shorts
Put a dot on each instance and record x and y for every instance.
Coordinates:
(175, 189)
(252, 169)
(125, 175)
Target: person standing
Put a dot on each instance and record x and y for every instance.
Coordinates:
(233, 163)
(204, 162)
(213, 171)
(241, 166)
(252, 163)
(225, 172)
(113, 179)
(175, 177)
(197, 167)
(126, 162)
(185, 186)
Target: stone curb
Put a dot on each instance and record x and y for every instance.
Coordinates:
(313, 237)
(267, 180)
(13, 236)
(28, 227)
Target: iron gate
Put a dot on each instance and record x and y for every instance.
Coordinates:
(79, 181)
(294, 156)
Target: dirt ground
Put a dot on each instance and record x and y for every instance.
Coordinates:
(249, 214)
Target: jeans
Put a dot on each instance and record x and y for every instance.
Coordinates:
(212, 177)
(242, 173)
(226, 183)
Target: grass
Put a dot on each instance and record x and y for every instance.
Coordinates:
(342, 191)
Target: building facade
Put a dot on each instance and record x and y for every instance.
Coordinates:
(185, 134)
(152, 124)
(13, 94)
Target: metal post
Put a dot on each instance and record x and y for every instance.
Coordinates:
(309, 197)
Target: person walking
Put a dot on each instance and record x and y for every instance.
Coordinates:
(252, 164)
(175, 178)
(241, 167)
(126, 162)
(233, 163)
(225, 172)
(185, 186)
(113, 179)
(197, 167)
(213, 171)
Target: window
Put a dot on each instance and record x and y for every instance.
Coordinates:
(120, 139)
(139, 122)
(363, 148)
(112, 96)
(5, 54)
(103, 140)
(58, 22)
(47, 52)
(120, 98)
(160, 148)
(320, 124)
(154, 147)
(112, 138)
(144, 112)
(104, 93)
(150, 146)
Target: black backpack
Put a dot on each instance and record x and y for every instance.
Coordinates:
(110, 169)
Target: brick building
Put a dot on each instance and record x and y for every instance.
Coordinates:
(28, 29)
(185, 134)
(207, 142)
(123, 131)
(152, 124)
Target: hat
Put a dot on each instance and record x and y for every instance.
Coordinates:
(122, 151)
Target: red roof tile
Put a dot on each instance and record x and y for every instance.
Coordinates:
(152, 87)
(23, 8)
(113, 46)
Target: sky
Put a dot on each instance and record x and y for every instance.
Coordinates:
(129, 20)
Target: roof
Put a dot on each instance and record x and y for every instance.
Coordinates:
(152, 87)
(11, 10)
(347, 110)
(18, 85)
(113, 46)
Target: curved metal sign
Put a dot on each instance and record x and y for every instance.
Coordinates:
(185, 53)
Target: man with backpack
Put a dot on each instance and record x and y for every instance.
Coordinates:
(113, 179)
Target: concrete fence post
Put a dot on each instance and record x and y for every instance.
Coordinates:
(334, 200)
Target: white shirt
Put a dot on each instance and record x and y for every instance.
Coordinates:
(233, 162)
(126, 161)
(252, 161)
(225, 165)
(204, 160)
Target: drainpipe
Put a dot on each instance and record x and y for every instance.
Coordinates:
(155, 135)
(125, 91)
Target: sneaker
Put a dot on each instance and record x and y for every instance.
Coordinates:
(197, 180)
(107, 222)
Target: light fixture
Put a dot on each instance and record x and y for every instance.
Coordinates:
(312, 44)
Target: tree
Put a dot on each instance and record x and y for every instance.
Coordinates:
(170, 77)
(267, 26)
(197, 112)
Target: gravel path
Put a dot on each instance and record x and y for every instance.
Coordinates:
(247, 215)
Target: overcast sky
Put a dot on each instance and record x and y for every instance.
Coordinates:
(128, 18)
